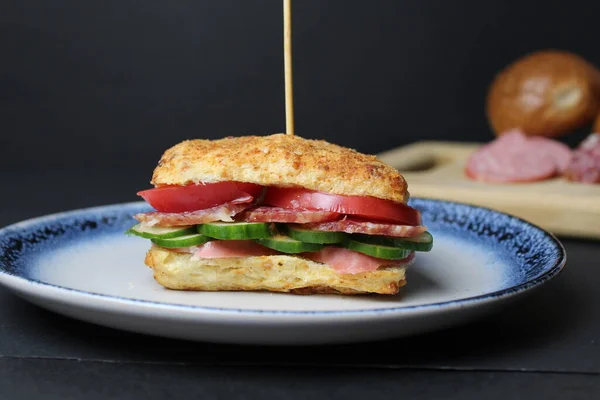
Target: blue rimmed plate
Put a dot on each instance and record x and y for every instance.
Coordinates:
(81, 264)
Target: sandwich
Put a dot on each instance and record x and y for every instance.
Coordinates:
(278, 213)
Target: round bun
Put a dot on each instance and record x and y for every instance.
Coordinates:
(546, 93)
(280, 160)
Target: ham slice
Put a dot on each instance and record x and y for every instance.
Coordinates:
(231, 249)
(585, 166)
(223, 213)
(560, 152)
(342, 260)
(591, 143)
(346, 261)
(368, 228)
(514, 157)
(285, 215)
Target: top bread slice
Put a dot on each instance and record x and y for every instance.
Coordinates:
(280, 160)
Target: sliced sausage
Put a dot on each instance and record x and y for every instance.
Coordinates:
(585, 166)
(223, 212)
(277, 214)
(368, 228)
(515, 158)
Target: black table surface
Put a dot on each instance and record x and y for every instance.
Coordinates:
(545, 346)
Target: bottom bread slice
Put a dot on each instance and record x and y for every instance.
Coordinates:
(280, 273)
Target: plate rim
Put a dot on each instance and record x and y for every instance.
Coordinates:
(18, 282)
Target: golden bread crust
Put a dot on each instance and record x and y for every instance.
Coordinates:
(281, 160)
(289, 274)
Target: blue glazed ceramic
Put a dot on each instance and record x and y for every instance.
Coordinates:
(82, 265)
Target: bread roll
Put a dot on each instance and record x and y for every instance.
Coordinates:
(546, 93)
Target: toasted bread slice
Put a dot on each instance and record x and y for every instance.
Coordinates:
(280, 160)
(280, 273)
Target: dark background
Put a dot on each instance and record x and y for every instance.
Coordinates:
(111, 84)
(93, 91)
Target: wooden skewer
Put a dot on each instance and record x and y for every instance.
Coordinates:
(287, 56)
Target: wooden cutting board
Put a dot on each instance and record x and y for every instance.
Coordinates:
(436, 170)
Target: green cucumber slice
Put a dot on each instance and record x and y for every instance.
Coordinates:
(286, 244)
(387, 252)
(312, 236)
(182, 241)
(157, 232)
(422, 242)
(236, 230)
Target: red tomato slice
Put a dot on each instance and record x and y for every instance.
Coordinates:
(363, 206)
(177, 199)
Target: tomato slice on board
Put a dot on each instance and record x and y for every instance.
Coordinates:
(177, 199)
(362, 206)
